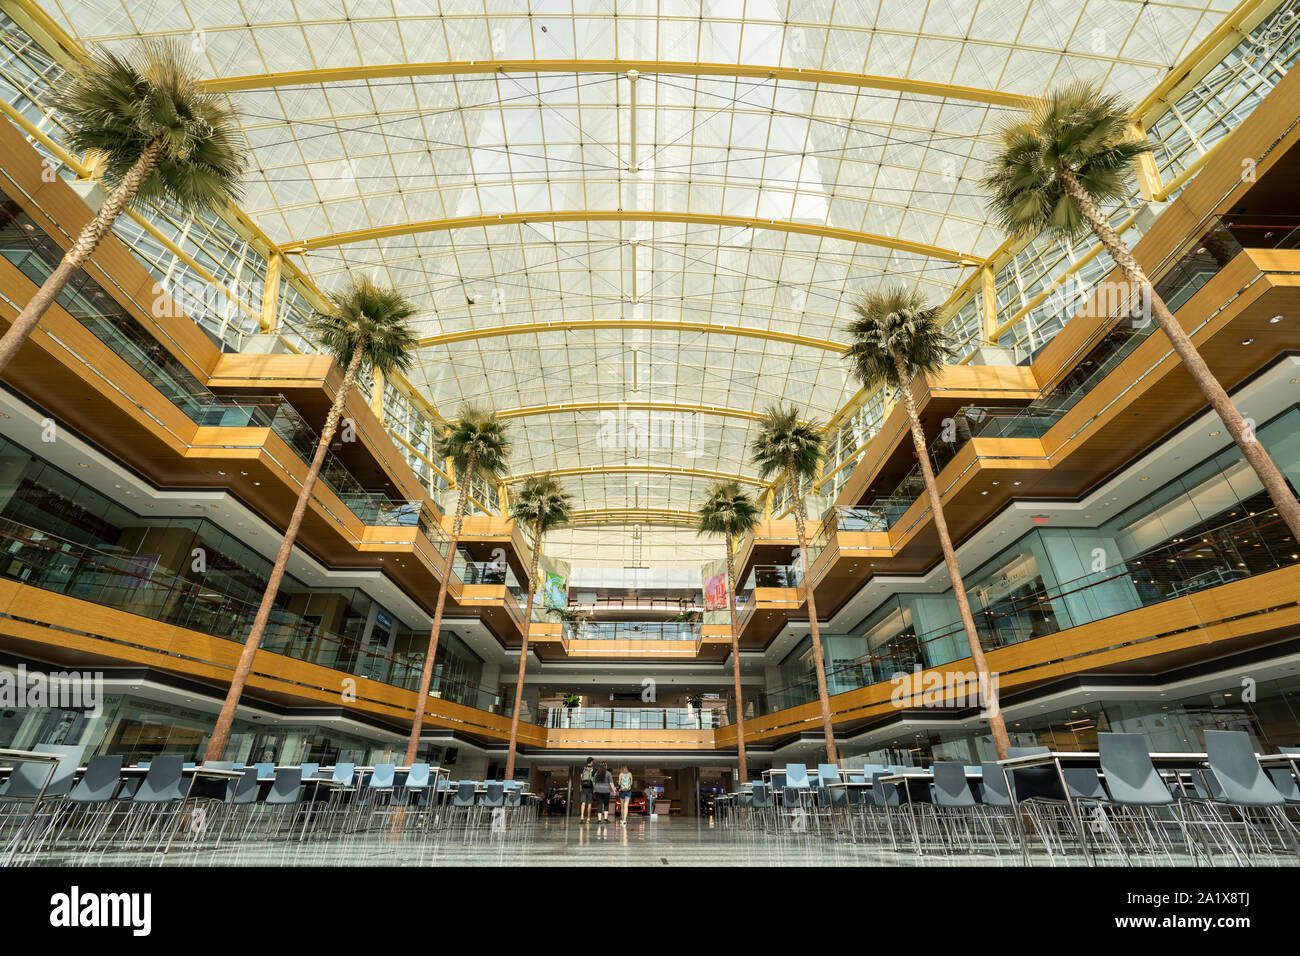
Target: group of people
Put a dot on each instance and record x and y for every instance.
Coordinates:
(599, 786)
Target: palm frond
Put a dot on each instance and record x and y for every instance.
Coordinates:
(895, 322)
(116, 106)
(1079, 128)
(783, 438)
(541, 498)
(477, 434)
(371, 314)
(728, 509)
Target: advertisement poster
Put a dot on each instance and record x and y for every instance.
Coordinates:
(715, 593)
(555, 591)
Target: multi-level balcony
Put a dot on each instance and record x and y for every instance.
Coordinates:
(186, 415)
(1106, 389)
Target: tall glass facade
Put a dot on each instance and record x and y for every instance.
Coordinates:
(60, 534)
(1212, 525)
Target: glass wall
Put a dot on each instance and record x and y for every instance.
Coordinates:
(60, 534)
(33, 253)
(1212, 525)
(1271, 715)
(141, 729)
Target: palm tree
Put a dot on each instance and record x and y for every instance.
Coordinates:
(160, 136)
(368, 326)
(542, 504)
(896, 337)
(1053, 171)
(729, 511)
(476, 441)
(792, 449)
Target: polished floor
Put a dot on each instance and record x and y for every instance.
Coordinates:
(551, 842)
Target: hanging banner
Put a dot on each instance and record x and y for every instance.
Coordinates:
(715, 593)
(555, 591)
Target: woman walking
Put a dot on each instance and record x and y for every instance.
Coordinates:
(588, 782)
(604, 785)
(624, 792)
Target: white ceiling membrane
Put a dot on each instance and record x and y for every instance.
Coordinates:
(779, 157)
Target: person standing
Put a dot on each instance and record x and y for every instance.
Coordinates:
(651, 794)
(604, 786)
(588, 782)
(624, 792)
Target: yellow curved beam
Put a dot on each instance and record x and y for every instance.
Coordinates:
(530, 328)
(642, 515)
(637, 470)
(686, 407)
(627, 215)
(352, 74)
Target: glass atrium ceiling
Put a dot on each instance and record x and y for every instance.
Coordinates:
(668, 200)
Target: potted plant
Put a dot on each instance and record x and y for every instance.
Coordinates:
(571, 700)
(695, 702)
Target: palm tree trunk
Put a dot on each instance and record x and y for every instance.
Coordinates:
(75, 258)
(426, 676)
(1269, 475)
(735, 660)
(221, 732)
(523, 651)
(813, 627)
(997, 725)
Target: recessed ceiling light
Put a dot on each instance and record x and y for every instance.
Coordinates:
(1214, 434)
(1275, 320)
(1145, 478)
(1246, 341)
(82, 464)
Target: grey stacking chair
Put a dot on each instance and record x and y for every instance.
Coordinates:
(996, 807)
(832, 798)
(283, 799)
(413, 794)
(241, 793)
(1286, 784)
(1141, 808)
(960, 821)
(761, 802)
(209, 800)
(796, 796)
(156, 805)
(1043, 799)
(1247, 790)
(27, 792)
(92, 801)
(466, 799)
(492, 800)
(378, 790)
(886, 801)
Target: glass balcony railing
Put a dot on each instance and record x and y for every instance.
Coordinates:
(632, 718)
(1220, 240)
(490, 572)
(632, 631)
(1235, 550)
(768, 576)
(35, 254)
(127, 583)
